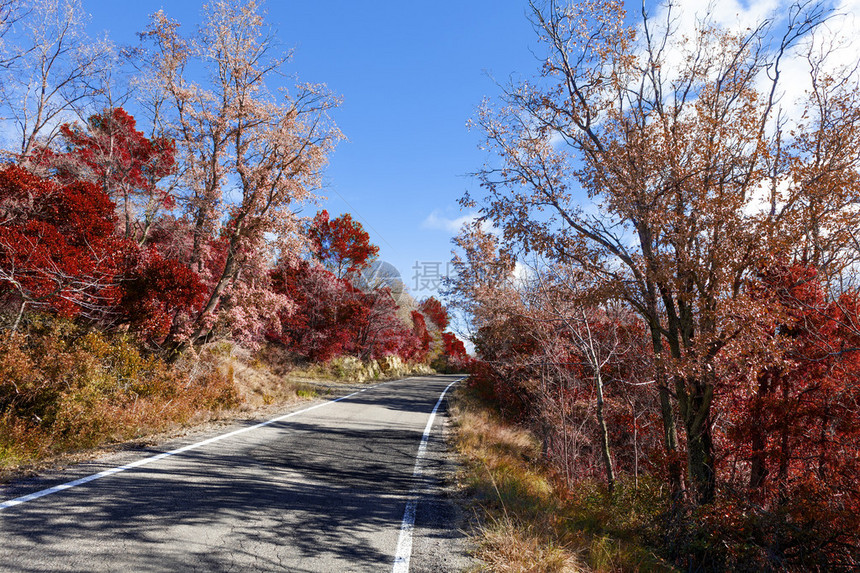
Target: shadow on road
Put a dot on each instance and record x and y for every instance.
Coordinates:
(301, 493)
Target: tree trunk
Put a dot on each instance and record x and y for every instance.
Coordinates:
(19, 315)
(700, 445)
(670, 432)
(758, 440)
(604, 434)
(214, 298)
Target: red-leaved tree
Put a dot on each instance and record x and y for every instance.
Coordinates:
(792, 430)
(326, 313)
(419, 329)
(435, 311)
(58, 250)
(111, 153)
(159, 295)
(341, 245)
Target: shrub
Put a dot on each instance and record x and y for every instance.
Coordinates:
(63, 388)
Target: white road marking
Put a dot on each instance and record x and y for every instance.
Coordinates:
(404, 541)
(68, 485)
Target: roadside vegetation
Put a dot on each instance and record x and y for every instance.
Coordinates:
(67, 389)
(662, 281)
(528, 519)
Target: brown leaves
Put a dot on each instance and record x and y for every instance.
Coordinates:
(662, 169)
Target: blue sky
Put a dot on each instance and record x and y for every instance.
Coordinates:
(410, 74)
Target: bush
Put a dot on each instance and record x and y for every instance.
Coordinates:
(64, 388)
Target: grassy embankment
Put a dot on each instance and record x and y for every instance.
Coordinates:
(65, 389)
(528, 521)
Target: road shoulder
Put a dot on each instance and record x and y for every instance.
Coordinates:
(440, 541)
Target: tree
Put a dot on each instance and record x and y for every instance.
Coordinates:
(576, 362)
(341, 245)
(789, 432)
(127, 166)
(325, 313)
(159, 295)
(330, 317)
(246, 156)
(10, 13)
(804, 379)
(454, 351)
(435, 311)
(383, 332)
(696, 176)
(419, 329)
(58, 250)
(53, 71)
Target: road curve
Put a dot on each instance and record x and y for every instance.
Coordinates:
(321, 490)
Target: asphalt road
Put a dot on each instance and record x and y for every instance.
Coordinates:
(322, 490)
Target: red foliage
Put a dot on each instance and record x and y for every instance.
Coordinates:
(801, 412)
(419, 329)
(158, 293)
(453, 346)
(332, 318)
(793, 437)
(320, 326)
(384, 333)
(341, 245)
(500, 374)
(435, 311)
(113, 154)
(173, 239)
(454, 356)
(57, 244)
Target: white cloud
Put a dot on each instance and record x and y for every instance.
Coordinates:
(838, 37)
(440, 222)
(522, 274)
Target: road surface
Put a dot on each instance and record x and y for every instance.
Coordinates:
(322, 489)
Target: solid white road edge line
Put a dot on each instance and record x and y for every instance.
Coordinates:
(68, 485)
(404, 541)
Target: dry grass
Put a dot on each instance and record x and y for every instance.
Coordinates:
(506, 546)
(65, 389)
(514, 498)
(526, 522)
(262, 378)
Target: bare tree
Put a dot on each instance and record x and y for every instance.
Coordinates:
(10, 12)
(54, 68)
